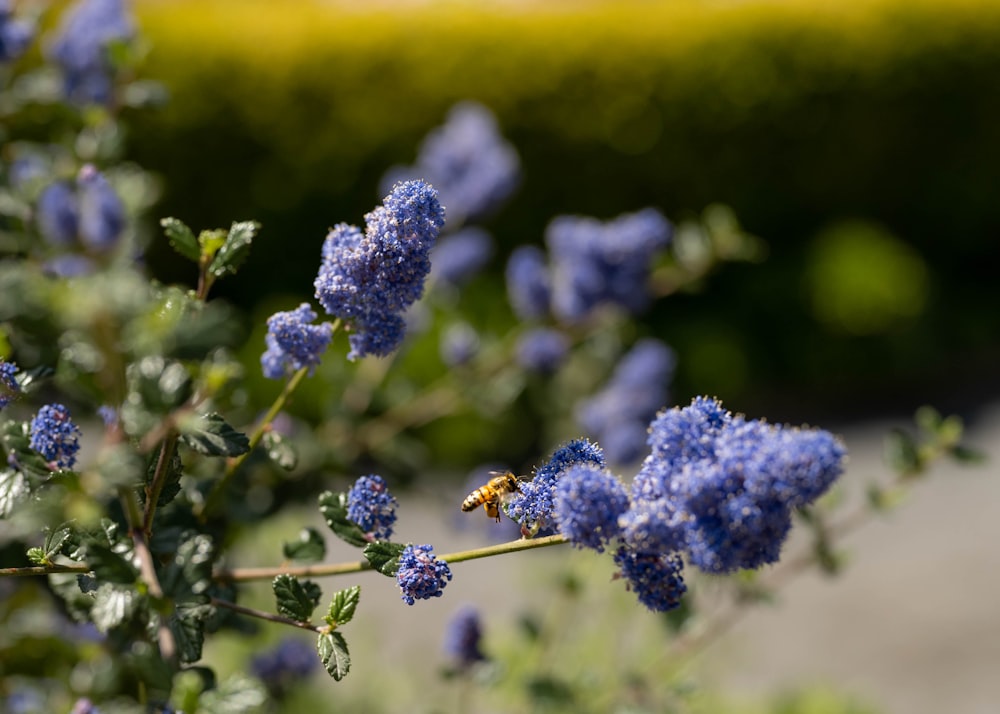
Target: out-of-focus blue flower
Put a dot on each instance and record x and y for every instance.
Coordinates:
(89, 213)
(541, 349)
(620, 413)
(293, 343)
(55, 436)
(108, 414)
(532, 506)
(9, 387)
(369, 279)
(588, 503)
(458, 257)
(102, 215)
(15, 35)
(57, 214)
(421, 575)
(84, 706)
(463, 638)
(26, 169)
(68, 265)
(655, 578)
(81, 47)
(372, 507)
(595, 263)
(468, 160)
(459, 344)
(291, 661)
(528, 287)
(731, 484)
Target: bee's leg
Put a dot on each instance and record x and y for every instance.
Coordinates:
(492, 511)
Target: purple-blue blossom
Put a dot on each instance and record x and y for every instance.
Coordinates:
(15, 34)
(541, 349)
(57, 215)
(655, 578)
(81, 48)
(371, 507)
(293, 343)
(285, 665)
(533, 504)
(456, 258)
(459, 344)
(55, 436)
(528, 284)
(421, 575)
(370, 278)
(588, 503)
(9, 386)
(619, 415)
(595, 263)
(469, 162)
(463, 638)
(88, 212)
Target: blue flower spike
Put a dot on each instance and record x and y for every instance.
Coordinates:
(421, 575)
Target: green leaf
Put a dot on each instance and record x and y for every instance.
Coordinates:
(332, 648)
(56, 539)
(237, 694)
(235, 249)
(967, 455)
(181, 239)
(14, 489)
(309, 548)
(296, 598)
(188, 577)
(384, 557)
(113, 605)
(280, 451)
(343, 606)
(37, 556)
(109, 566)
(171, 481)
(187, 622)
(16, 438)
(333, 507)
(211, 435)
(901, 453)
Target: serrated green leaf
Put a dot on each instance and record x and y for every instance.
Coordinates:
(333, 507)
(171, 480)
(296, 598)
(188, 576)
(235, 249)
(109, 566)
(309, 548)
(56, 539)
(113, 605)
(332, 648)
(181, 238)
(14, 489)
(342, 607)
(237, 694)
(211, 435)
(384, 557)
(37, 556)
(280, 451)
(16, 438)
(901, 453)
(187, 622)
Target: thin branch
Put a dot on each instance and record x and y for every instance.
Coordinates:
(261, 615)
(155, 487)
(33, 570)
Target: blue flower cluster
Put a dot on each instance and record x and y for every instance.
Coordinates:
(462, 642)
(421, 575)
(716, 488)
(88, 212)
(468, 160)
(370, 278)
(372, 507)
(81, 48)
(15, 34)
(55, 436)
(619, 415)
(291, 661)
(293, 343)
(541, 349)
(9, 386)
(591, 264)
(533, 504)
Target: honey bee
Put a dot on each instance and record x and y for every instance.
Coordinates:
(492, 493)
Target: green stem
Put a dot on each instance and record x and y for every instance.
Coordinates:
(245, 574)
(44, 570)
(155, 487)
(261, 615)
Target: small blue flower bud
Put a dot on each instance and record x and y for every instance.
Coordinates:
(57, 215)
(421, 575)
(55, 436)
(293, 343)
(372, 507)
(528, 288)
(102, 215)
(463, 637)
(459, 344)
(588, 503)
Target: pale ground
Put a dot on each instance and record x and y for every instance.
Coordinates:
(912, 626)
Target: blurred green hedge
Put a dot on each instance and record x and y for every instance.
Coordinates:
(797, 114)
